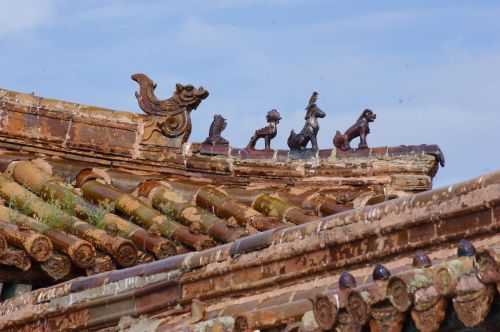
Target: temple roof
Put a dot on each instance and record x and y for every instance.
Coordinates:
(118, 222)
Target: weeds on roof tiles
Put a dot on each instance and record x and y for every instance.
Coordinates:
(96, 215)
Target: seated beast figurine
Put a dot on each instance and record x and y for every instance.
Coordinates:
(309, 133)
(360, 129)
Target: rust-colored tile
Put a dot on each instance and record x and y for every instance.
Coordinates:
(421, 233)
(464, 224)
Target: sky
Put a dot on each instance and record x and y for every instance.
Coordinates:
(429, 69)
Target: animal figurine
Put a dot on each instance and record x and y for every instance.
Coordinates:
(359, 129)
(310, 131)
(267, 133)
(216, 128)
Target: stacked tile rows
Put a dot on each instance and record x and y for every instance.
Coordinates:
(287, 279)
(91, 220)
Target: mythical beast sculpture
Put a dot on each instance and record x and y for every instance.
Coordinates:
(269, 132)
(216, 128)
(170, 117)
(361, 129)
(310, 131)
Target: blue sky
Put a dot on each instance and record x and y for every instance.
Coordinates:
(429, 69)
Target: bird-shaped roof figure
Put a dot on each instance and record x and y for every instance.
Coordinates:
(313, 99)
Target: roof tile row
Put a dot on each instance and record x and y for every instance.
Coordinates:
(304, 254)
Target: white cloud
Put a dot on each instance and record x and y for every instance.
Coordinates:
(117, 9)
(197, 33)
(248, 3)
(21, 15)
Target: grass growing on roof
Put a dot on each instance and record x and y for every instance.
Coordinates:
(96, 215)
